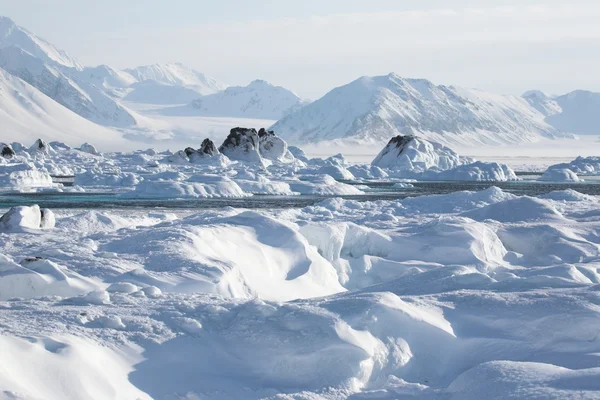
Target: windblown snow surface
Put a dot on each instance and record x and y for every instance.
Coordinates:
(463, 296)
(467, 295)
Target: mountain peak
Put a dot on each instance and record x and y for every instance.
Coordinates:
(375, 108)
(13, 35)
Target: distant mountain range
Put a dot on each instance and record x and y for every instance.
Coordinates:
(259, 99)
(367, 110)
(373, 109)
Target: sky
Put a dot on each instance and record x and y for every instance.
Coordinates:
(311, 46)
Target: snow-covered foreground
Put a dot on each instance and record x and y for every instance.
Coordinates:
(468, 295)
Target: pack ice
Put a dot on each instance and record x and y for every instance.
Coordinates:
(467, 295)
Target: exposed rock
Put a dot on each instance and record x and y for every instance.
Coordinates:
(208, 147)
(263, 132)
(189, 151)
(273, 147)
(6, 150)
(242, 144)
(40, 146)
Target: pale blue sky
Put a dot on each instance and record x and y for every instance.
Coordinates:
(311, 46)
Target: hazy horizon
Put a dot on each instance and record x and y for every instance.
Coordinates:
(312, 47)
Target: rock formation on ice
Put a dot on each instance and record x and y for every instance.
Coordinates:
(6, 150)
(414, 157)
(242, 144)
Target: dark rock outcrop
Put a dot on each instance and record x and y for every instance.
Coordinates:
(241, 144)
(208, 147)
(6, 150)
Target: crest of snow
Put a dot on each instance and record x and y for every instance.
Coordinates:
(373, 109)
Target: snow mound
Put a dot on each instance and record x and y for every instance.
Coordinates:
(322, 185)
(520, 209)
(35, 278)
(274, 262)
(416, 155)
(89, 148)
(23, 217)
(581, 165)
(197, 186)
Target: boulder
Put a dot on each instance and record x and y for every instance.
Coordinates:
(242, 144)
(208, 147)
(6, 150)
(272, 147)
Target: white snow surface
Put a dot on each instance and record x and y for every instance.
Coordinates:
(467, 295)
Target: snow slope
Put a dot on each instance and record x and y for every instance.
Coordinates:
(27, 114)
(13, 35)
(64, 86)
(373, 109)
(575, 112)
(260, 100)
(176, 74)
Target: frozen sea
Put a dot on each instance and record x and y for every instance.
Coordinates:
(379, 190)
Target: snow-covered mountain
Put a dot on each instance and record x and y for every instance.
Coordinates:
(153, 92)
(176, 74)
(13, 35)
(27, 114)
(106, 77)
(260, 100)
(373, 109)
(66, 87)
(575, 112)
